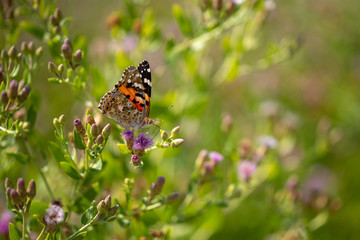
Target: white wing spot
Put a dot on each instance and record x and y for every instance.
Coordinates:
(148, 69)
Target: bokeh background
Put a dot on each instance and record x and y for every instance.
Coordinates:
(314, 92)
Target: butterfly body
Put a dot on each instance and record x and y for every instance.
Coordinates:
(128, 103)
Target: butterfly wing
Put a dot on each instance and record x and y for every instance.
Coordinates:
(144, 70)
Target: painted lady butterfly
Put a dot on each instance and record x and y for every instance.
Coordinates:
(129, 101)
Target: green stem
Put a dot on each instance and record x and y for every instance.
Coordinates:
(92, 221)
(41, 234)
(23, 225)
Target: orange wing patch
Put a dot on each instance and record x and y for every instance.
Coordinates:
(130, 93)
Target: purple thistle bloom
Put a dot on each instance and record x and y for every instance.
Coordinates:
(216, 157)
(5, 219)
(128, 134)
(142, 142)
(246, 169)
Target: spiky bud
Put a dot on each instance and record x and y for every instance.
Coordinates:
(79, 127)
(31, 190)
(23, 94)
(20, 188)
(112, 211)
(101, 207)
(108, 202)
(62, 119)
(99, 139)
(8, 183)
(8, 193)
(94, 130)
(15, 198)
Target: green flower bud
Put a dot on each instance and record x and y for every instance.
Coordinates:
(8, 194)
(78, 56)
(16, 199)
(23, 47)
(12, 52)
(171, 198)
(112, 211)
(31, 47)
(52, 67)
(13, 89)
(177, 142)
(175, 132)
(57, 29)
(62, 120)
(67, 52)
(164, 136)
(101, 207)
(8, 183)
(56, 123)
(106, 131)
(38, 52)
(99, 139)
(4, 55)
(108, 202)
(31, 190)
(94, 131)
(26, 125)
(53, 20)
(61, 69)
(68, 42)
(58, 14)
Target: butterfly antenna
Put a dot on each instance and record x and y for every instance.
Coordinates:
(172, 105)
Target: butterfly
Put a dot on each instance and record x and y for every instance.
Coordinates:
(128, 103)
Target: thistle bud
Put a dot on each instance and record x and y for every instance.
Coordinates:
(23, 47)
(106, 131)
(112, 211)
(201, 158)
(77, 56)
(58, 14)
(52, 67)
(67, 52)
(62, 119)
(90, 119)
(20, 188)
(56, 122)
(79, 127)
(13, 89)
(175, 132)
(31, 190)
(31, 47)
(12, 52)
(108, 202)
(177, 142)
(4, 98)
(99, 139)
(53, 20)
(4, 55)
(61, 69)
(135, 159)
(8, 193)
(101, 207)
(157, 187)
(164, 136)
(68, 42)
(38, 52)
(23, 94)
(171, 198)
(94, 131)
(15, 198)
(8, 183)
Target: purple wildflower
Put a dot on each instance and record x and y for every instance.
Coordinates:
(142, 142)
(128, 134)
(216, 157)
(54, 214)
(5, 219)
(268, 141)
(135, 160)
(246, 169)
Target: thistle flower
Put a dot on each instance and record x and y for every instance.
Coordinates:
(128, 134)
(215, 157)
(5, 219)
(142, 142)
(246, 169)
(54, 214)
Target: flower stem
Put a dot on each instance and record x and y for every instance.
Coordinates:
(23, 225)
(92, 221)
(41, 234)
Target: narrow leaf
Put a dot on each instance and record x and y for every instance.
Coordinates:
(70, 170)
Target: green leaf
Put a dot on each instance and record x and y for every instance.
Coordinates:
(56, 152)
(183, 22)
(38, 207)
(123, 222)
(70, 170)
(15, 71)
(33, 29)
(97, 165)
(32, 107)
(88, 215)
(78, 141)
(123, 149)
(13, 234)
(22, 158)
(54, 80)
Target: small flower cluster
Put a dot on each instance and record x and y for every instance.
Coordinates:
(206, 163)
(55, 215)
(20, 199)
(219, 8)
(105, 210)
(156, 189)
(246, 167)
(14, 98)
(91, 135)
(137, 146)
(171, 141)
(54, 22)
(72, 59)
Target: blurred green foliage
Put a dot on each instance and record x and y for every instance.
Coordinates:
(236, 72)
